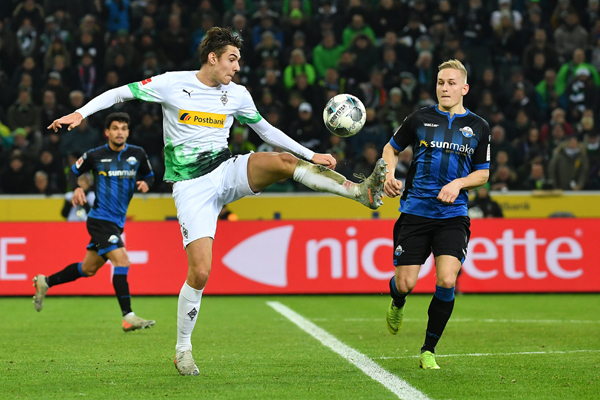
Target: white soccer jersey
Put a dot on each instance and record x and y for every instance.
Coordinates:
(196, 120)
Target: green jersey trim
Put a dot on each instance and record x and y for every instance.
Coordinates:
(249, 120)
(181, 167)
(141, 93)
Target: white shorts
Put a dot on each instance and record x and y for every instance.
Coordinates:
(199, 201)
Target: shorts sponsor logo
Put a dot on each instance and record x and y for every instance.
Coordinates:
(202, 119)
(399, 250)
(114, 239)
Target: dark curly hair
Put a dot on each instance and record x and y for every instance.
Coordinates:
(216, 40)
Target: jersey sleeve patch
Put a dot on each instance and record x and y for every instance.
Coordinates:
(79, 162)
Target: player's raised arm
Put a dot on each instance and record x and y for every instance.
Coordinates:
(147, 90)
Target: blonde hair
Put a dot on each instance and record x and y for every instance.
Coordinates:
(454, 64)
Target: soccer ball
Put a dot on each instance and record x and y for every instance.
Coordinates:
(344, 115)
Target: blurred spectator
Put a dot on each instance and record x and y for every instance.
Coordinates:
(29, 10)
(296, 30)
(50, 110)
(426, 72)
(175, 42)
(87, 74)
(357, 26)
(17, 177)
(67, 74)
(52, 167)
(388, 15)
(394, 111)
(408, 86)
(238, 143)
(540, 45)
(366, 161)
(536, 179)
(505, 11)
(569, 165)
(327, 54)
(268, 47)
(205, 10)
(55, 84)
(238, 8)
(267, 23)
(79, 213)
(570, 36)
(364, 51)
(483, 204)
(499, 143)
(488, 83)
(52, 33)
(404, 162)
(117, 15)
(372, 93)
(474, 25)
(372, 132)
(546, 96)
(504, 179)
(80, 139)
(557, 118)
(40, 184)
(24, 114)
(567, 71)
(519, 102)
(297, 66)
(123, 46)
(592, 145)
(527, 147)
(581, 94)
(305, 129)
(500, 161)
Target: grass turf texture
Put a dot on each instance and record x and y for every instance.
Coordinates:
(75, 348)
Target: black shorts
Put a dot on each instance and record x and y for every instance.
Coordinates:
(416, 237)
(106, 236)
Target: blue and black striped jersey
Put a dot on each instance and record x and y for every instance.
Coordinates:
(115, 175)
(445, 148)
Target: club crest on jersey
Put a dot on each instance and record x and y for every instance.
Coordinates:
(202, 119)
(132, 160)
(467, 131)
(224, 98)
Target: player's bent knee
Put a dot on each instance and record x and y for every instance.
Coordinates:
(288, 161)
(446, 281)
(405, 285)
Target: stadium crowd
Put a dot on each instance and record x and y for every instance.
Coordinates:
(533, 74)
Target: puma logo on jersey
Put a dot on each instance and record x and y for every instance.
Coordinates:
(202, 119)
(429, 124)
(188, 93)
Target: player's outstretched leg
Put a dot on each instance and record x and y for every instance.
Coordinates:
(41, 287)
(42, 283)
(369, 192)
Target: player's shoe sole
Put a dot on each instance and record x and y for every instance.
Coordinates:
(184, 362)
(427, 361)
(370, 191)
(41, 287)
(394, 318)
(133, 322)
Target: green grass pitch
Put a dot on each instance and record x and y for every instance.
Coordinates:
(494, 347)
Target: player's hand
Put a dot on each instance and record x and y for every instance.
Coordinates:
(78, 197)
(72, 120)
(326, 160)
(142, 186)
(392, 187)
(449, 192)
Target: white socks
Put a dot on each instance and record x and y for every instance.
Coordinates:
(188, 308)
(322, 179)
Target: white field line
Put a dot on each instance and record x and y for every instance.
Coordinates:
(399, 387)
(497, 354)
(516, 321)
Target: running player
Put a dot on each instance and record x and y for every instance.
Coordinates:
(199, 108)
(451, 155)
(116, 167)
